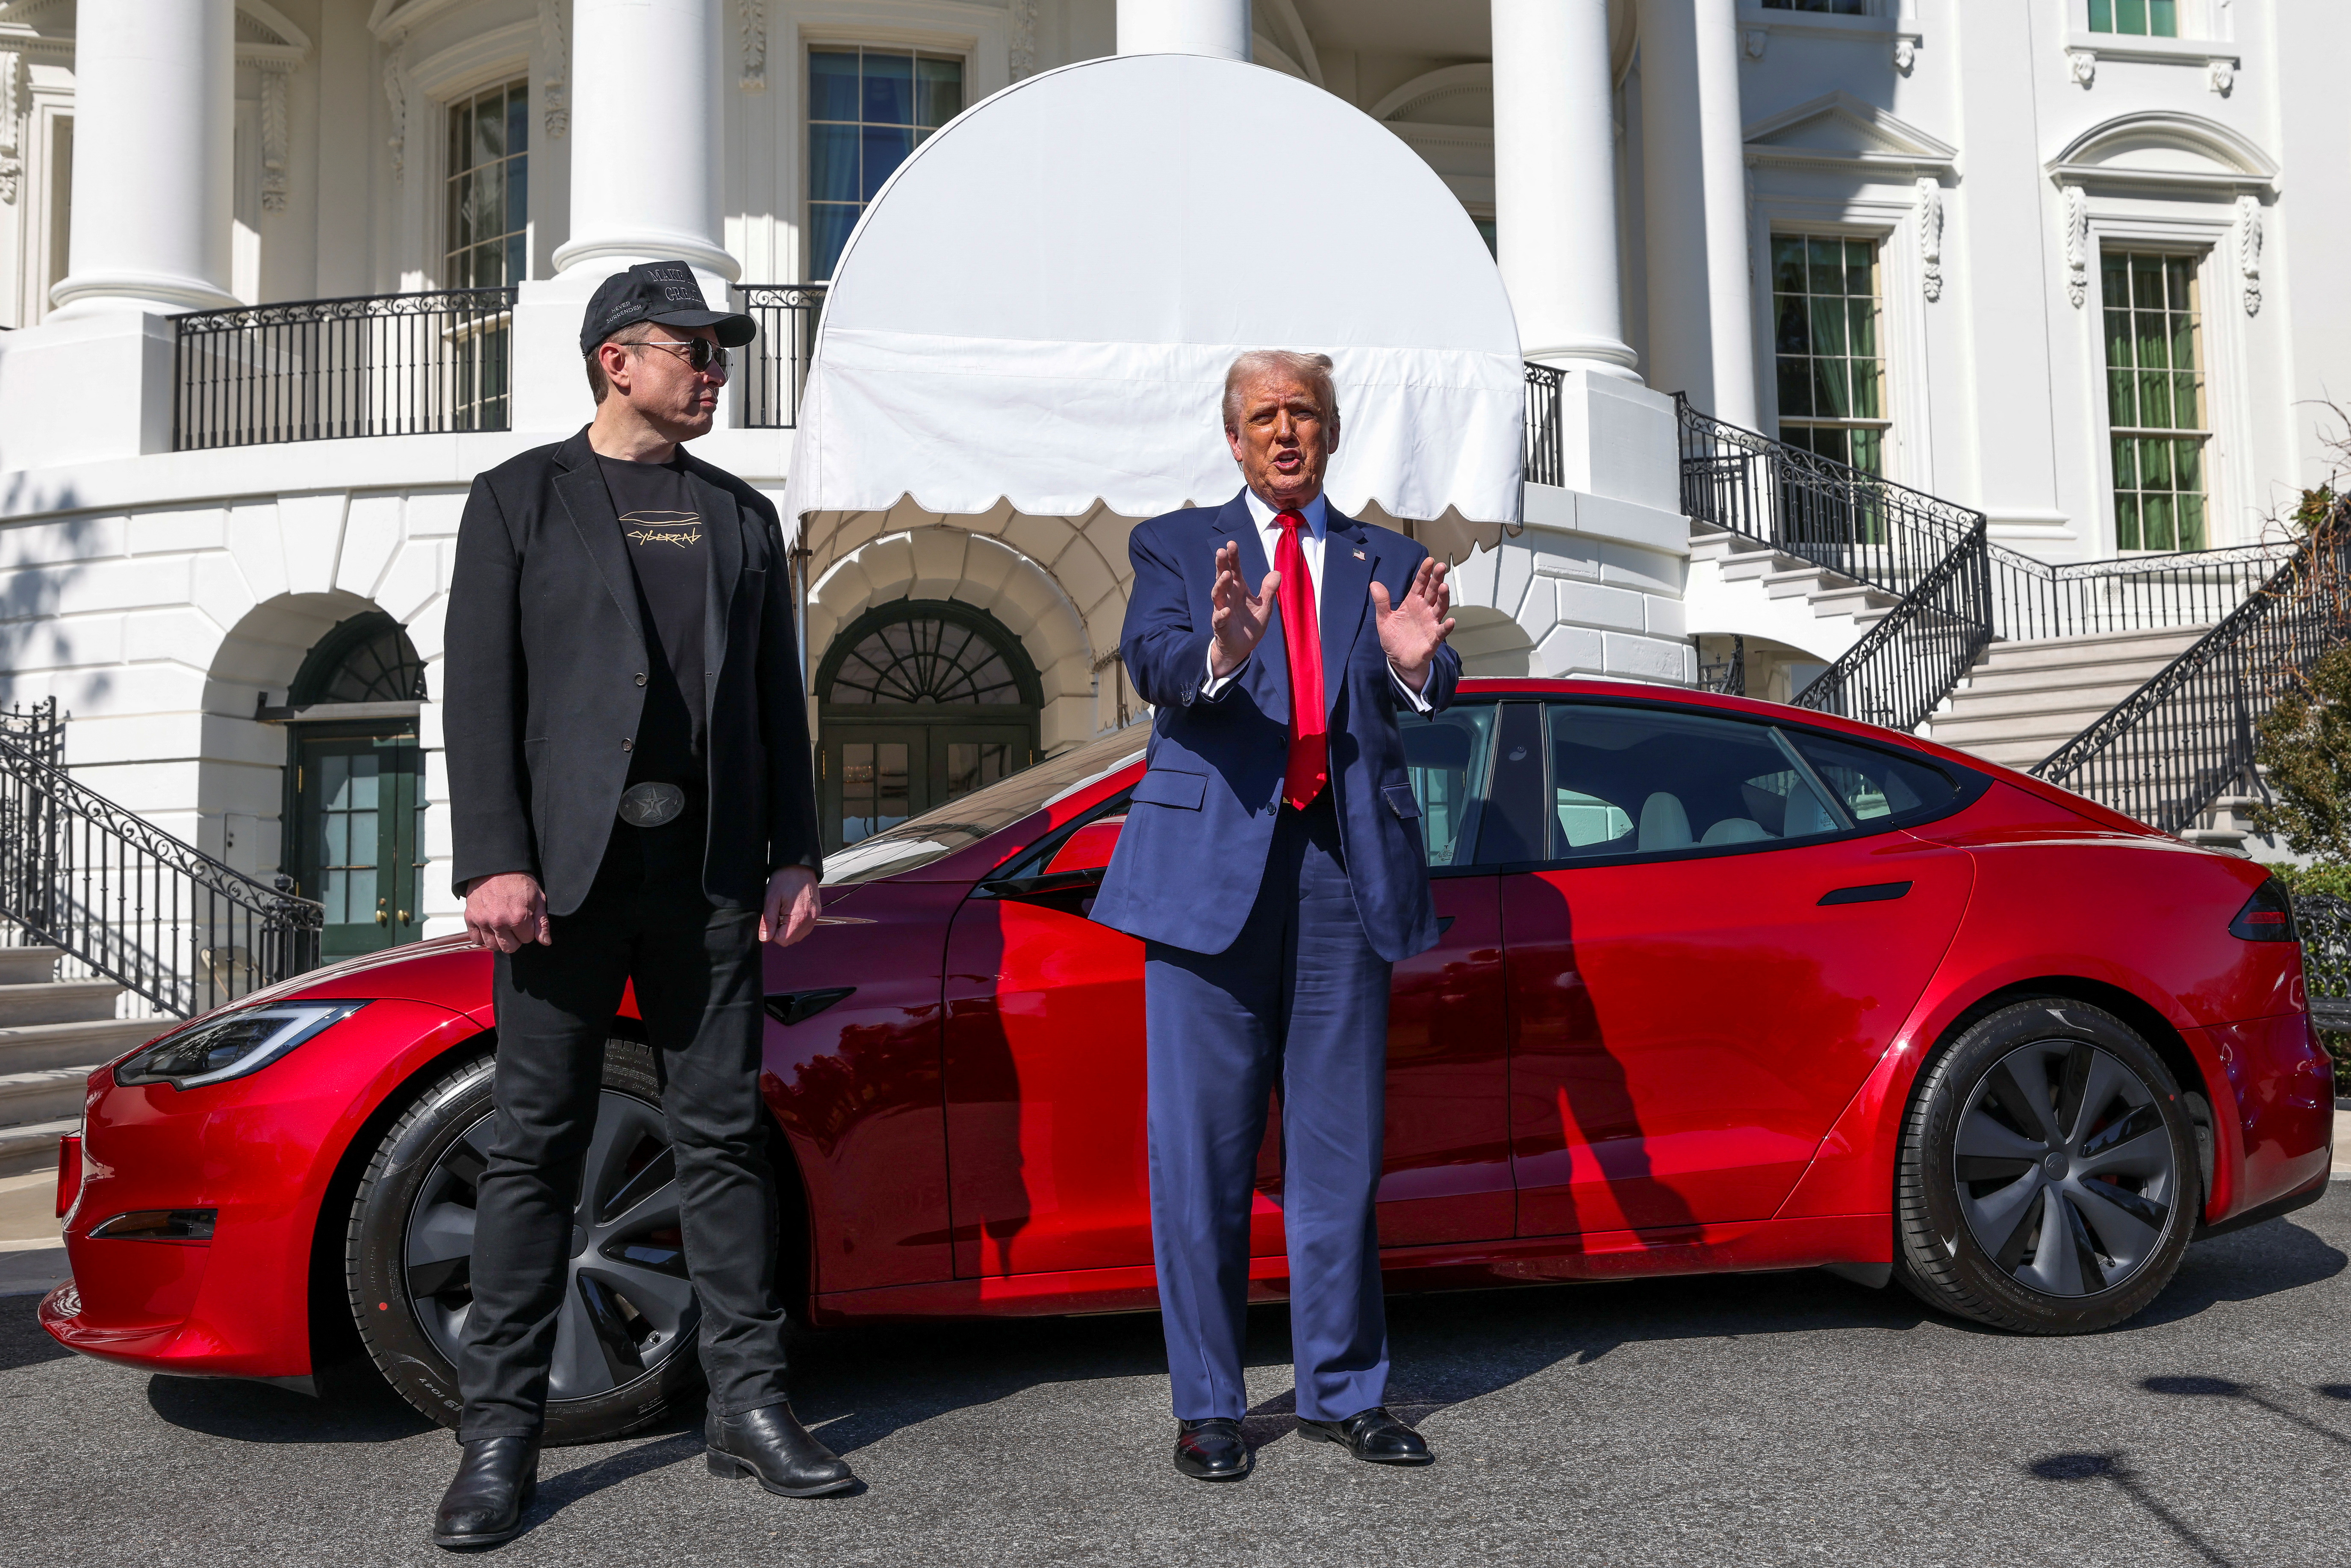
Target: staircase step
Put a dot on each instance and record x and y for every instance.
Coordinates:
(28, 965)
(46, 1095)
(57, 1002)
(1962, 729)
(2163, 644)
(30, 1048)
(1981, 701)
(33, 1146)
(2130, 674)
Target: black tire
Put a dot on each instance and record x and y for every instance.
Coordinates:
(2048, 1180)
(625, 1355)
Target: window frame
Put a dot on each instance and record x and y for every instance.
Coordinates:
(1882, 424)
(2207, 436)
(1968, 786)
(446, 102)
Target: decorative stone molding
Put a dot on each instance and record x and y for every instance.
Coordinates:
(1930, 237)
(1024, 39)
(1906, 55)
(1754, 41)
(2077, 246)
(2219, 61)
(2249, 250)
(1840, 131)
(2166, 152)
(753, 14)
(11, 167)
(555, 86)
(2221, 75)
(273, 135)
(2084, 66)
(395, 92)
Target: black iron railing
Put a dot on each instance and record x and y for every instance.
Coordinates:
(1546, 460)
(2166, 751)
(776, 363)
(38, 729)
(135, 904)
(1728, 678)
(321, 370)
(2133, 593)
(2326, 924)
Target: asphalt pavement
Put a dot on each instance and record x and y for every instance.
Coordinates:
(1782, 1418)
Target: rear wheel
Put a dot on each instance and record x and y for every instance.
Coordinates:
(624, 1347)
(2048, 1179)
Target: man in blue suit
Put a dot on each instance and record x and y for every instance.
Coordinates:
(1272, 863)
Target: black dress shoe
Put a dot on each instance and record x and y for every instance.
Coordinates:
(1373, 1436)
(770, 1446)
(1212, 1450)
(494, 1482)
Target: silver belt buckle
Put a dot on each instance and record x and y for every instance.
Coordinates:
(652, 805)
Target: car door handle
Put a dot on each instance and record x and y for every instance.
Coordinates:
(1868, 893)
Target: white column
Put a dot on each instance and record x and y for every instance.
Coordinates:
(1219, 28)
(1555, 181)
(1694, 185)
(155, 133)
(646, 136)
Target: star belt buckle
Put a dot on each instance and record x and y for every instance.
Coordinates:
(652, 805)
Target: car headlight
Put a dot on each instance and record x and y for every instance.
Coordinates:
(232, 1045)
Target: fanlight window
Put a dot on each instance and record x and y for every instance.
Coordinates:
(367, 659)
(925, 661)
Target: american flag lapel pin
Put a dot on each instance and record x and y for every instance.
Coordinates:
(1359, 555)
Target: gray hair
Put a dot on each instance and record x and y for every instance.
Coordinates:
(1314, 369)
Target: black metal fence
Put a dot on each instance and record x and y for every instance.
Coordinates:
(129, 902)
(777, 360)
(2326, 923)
(321, 370)
(1546, 459)
(2134, 594)
(2163, 753)
(39, 730)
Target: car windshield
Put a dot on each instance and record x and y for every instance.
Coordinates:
(921, 840)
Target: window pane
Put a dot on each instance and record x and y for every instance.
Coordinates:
(2127, 531)
(1446, 756)
(889, 97)
(1829, 389)
(1827, 264)
(2155, 523)
(2102, 16)
(886, 147)
(490, 128)
(2130, 16)
(1828, 326)
(938, 91)
(1872, 784)
(832, 162)
(1787, 265)
(1653, 781)
(1795, 391)
(517, 120)
(2163, 18)
(833, 83)
(2192, 521)
(828, 229)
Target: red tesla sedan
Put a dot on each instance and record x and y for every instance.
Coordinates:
(1722, 985)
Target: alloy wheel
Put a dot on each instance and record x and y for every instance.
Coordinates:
(627, 1302)
(2064, 1168)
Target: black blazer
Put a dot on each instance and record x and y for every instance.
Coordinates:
(545, 673)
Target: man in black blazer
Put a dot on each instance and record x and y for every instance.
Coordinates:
(629, 779)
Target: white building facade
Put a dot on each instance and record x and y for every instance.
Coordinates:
(2063, 262)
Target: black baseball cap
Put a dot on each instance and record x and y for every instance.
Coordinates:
(662, 292)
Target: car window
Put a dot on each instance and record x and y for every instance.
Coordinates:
(1873, 784)
(1447, 756)
(1652, 782)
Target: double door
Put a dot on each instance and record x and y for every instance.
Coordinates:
(875, 775)
(357, 837)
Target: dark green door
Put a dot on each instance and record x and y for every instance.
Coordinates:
(875, 775)
(357, 828)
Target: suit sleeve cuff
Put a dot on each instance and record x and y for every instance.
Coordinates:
(1419, 703)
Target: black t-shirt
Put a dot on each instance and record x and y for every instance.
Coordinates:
(669, 546)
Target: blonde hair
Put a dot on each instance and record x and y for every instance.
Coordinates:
(1314, 369)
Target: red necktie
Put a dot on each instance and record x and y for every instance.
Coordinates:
(1309, 739)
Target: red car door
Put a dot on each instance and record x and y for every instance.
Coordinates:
(1725, 928)
(1048, 1162)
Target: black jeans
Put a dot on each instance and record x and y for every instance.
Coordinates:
(697, 973)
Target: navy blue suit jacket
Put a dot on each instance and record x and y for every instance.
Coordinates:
(1193, 853)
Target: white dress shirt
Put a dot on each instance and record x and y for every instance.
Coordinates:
(1310, 543)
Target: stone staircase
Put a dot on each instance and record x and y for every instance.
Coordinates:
(2024, 700)
(53, 1034)
(1848, 607)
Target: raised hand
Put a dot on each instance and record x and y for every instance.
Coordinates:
(1414, 627)
(1237, 620)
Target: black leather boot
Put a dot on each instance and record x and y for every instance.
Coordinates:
(495, 1480)
(770, 1446)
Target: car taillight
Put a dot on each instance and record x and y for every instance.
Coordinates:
(2268, 915)
(69, 1173)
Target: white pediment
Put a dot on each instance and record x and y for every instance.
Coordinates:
(2160, 150)
(1840, 131)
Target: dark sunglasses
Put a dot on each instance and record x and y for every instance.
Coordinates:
(699, 352)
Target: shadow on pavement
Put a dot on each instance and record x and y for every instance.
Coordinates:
(354, 1406)
(2222, 1389)
(2074, 1469)
(2244, 1265)
(22, 1341)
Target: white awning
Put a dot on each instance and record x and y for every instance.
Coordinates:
(1036, 312)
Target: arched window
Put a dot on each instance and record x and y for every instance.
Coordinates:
(920, 703)
(366, 659)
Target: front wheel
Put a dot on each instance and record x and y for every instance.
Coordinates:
(2048, 1180)
(624, 1345)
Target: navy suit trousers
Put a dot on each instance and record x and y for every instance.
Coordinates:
(1299, 1000)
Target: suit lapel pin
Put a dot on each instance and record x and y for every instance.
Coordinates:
(1359, 555)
